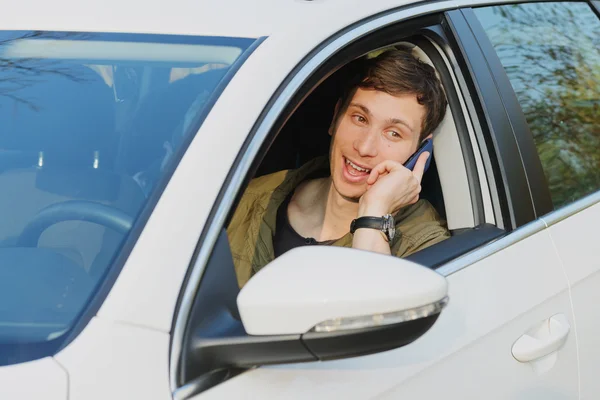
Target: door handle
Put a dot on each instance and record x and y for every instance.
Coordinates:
(545, 339)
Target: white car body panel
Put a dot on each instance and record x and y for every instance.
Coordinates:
(230, 18)
(285, 297)
(466, 353)
(124, 352)
(576, 239)
(39, 379)
(111, 360)
(223, 18)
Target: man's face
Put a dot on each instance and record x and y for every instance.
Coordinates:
(375, 127)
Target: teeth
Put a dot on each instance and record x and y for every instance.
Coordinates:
(356, 167)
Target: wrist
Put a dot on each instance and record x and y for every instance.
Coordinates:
(384, 225)
(371, 210)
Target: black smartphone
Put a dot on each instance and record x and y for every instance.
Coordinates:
(427, 145)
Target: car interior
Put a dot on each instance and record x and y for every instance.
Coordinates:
(445, 185)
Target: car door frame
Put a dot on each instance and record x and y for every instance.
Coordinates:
(552, 217)
(496, 134)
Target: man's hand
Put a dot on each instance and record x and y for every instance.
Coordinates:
(391, 187)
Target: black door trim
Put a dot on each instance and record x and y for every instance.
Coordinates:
(596, 6)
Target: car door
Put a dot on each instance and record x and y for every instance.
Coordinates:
(565, 123)
(508, 331)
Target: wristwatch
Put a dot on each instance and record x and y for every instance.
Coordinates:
(385, 224)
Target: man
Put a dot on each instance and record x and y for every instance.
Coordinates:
(392, 105)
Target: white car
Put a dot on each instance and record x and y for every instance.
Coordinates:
(128, 131)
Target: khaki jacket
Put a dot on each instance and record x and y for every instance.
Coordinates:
(252, 227)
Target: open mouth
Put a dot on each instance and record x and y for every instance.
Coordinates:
(355, 170)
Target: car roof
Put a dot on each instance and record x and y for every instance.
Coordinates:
(238, 18)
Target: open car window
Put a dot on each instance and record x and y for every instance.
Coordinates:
(446, 185)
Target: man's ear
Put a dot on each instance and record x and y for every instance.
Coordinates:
(430, 136)
(335, 117)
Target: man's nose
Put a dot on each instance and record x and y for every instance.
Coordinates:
(366, 144)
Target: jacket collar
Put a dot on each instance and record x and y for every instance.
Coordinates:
(317, 167)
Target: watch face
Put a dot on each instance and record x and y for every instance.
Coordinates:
(389, 226)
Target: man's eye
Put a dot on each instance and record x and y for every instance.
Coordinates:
(394, 134)
(359, 118)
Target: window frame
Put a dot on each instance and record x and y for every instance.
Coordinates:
(292, 91)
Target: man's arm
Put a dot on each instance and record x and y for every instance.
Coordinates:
(391, 187)
(371, 239)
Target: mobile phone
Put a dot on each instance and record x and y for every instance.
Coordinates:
(427, 145)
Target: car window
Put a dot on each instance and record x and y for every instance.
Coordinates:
(260, 230)
(551, 53)
(90, 123)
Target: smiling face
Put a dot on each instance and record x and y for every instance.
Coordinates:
(375, 127)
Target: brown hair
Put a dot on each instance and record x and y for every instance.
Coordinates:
(398, 72)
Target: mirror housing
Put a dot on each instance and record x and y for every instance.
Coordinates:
(312, 303)
(327, 289)
(342, 302)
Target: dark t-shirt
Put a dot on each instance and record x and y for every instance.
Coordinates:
(286, 238)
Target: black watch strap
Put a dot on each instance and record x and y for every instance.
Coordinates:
(384, 224)
(367, 222)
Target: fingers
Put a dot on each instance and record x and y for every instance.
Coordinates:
(419, 168)
(393, 185)
(383, 167)
(373, 176)
(375, 172)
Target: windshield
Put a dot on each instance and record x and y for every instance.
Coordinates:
(89, 124)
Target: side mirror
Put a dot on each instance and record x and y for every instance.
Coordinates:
(342, 302)
(312, 303)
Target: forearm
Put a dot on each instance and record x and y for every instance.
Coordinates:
(370, 239)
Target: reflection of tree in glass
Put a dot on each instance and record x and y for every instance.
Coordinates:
(551, 54)
(17, 74)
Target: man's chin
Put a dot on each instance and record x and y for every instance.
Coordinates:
(349, 195)
(352, 199)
